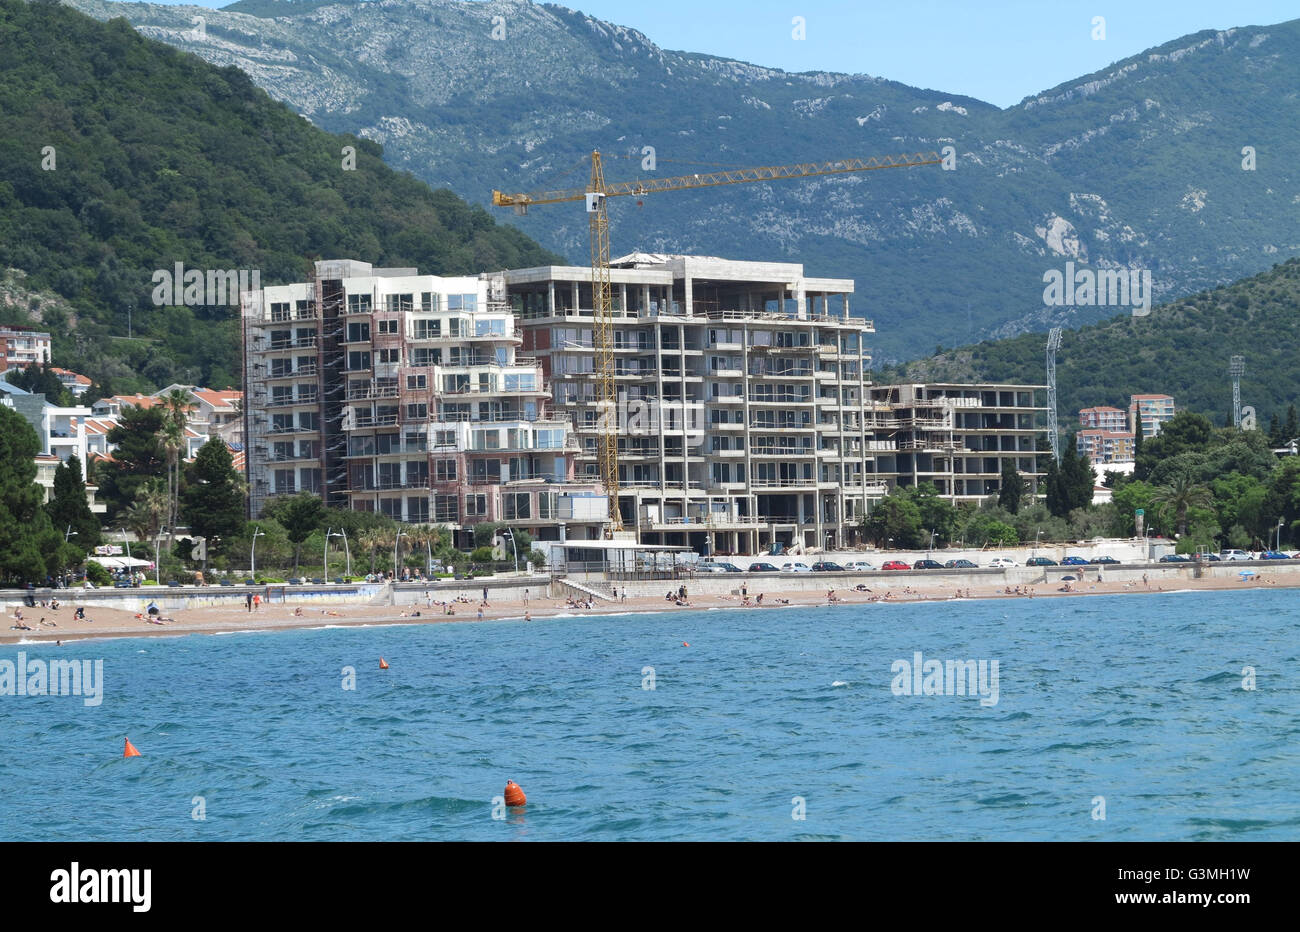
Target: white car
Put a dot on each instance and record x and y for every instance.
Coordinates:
(1002, 562)
(859, 566)
(796, 568)
(1233, 555)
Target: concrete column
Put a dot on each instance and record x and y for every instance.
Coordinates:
(550, 298)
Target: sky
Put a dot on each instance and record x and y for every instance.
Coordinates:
(999, 51)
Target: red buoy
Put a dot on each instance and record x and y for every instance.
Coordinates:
(514, 794)
(383, 664)
(130, 750)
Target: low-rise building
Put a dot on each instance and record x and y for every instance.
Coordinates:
(21, 347)
(1148, 412)
(1106, 446)
(1103, 417)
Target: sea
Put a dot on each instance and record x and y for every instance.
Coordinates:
(1171, 716)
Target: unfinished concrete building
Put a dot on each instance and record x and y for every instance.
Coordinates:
(957, 436)
(741, 390)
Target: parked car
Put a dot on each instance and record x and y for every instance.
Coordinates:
(859, 566)
(1041, 561)
(1175, 558)
(1074, 561)
(1233, 555)
(1103, 561)
(795, 568)
(927, 565)
(826, 566)
(1002, 562)
(960, 565)
(729, 567)
(710, 568)
(895, 565)
(1209, 557)
(764, 568)
(1273, 555)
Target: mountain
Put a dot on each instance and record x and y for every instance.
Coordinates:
(1137, 166)
(1180, 349)
(122, 157)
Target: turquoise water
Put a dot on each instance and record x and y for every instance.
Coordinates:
(1136, 699)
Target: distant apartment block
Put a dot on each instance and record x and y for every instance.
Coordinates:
(740, 389)
(1148, 412)
(22, 347)
(389, 391)
(1106, 446)
(1103, 418)
(956, 436)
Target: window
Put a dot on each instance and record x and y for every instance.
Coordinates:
(417, 473)
(427, 329)
(280, 310)
(426, 357)
(390, 355)
(281, 423)
(391, 507)
(417, 412)
(447, 507)
(462, 302)
(396, 303)
(386, 326)
(358, 360)
(550, 439)
(546, 504)
(417, 510)
(475, 506)
(284, 482)
(518, 506)
(444, 438)
(359, 304)
(416, 382)
(484, 328)
(444, 470)
(358, 333)
(387, 443)
(428, 301)
(416, 441)
(521, 381)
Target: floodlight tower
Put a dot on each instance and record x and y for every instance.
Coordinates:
(1236, 369)
(1053, 433)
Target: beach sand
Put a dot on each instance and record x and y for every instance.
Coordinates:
(104, 622)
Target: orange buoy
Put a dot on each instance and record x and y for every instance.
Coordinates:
(130, 750)
(383, 664)
(514, 794)
(684, 644)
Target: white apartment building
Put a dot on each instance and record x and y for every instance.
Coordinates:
(386, 390)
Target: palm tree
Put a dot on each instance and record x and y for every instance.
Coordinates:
(374, 539)
(146, 515)
(177, 406)
(1180, 495)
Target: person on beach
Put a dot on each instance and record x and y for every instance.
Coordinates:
(485, 595)
(257, 602)
(527, 616)
(759, 601)
(248, 600)
(525, 596)
(480, 614)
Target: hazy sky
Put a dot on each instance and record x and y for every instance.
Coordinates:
(997, 50)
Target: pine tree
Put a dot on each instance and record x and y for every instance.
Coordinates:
(1274, 431)
(1292, 429)
(213, 499)
(1013, 488)
(68, 509)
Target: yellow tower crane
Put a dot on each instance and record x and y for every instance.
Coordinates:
(594, 195)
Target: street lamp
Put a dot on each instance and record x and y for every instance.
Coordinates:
(252, 554)
(1280, 522)
(516, 549)
(396, 543)
(329, 532)
(68, 533)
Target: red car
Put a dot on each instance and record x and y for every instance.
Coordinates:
(895, 565)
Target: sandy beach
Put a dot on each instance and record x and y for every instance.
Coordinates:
(59, 624)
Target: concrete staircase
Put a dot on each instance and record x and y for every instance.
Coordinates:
(602, 591)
